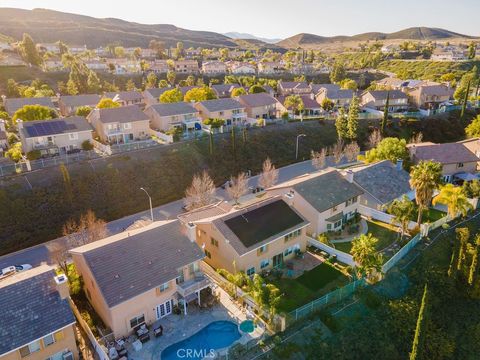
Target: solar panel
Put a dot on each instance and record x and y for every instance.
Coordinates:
(46, 128)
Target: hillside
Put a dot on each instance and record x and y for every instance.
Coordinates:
(415, 33)
(50, 26)
(237, 35)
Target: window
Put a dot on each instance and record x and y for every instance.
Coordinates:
(292, 235)
(351, 201)
(262, 249)
(221, 113)
(214, 242)
(288, 251)
(251, 271)
(337, 224)
(127, 126)
(460, 165)
(137, 320)
(48, 340)
(264, 263)
(164, 287)
(30, 348)
(73, 136)
(329, 226)
(208, 254)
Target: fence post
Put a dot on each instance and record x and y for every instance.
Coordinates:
(296, 314)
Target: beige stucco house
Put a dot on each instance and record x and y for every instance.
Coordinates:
(430, 96)
(69, 104)
(138, 277)
(259, 106)
(214, 67)
(229, 110)
(186, 66)
(377, 99)
(36, 321)
(165, 116)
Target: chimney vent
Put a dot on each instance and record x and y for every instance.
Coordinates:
(61, 282)
(349, 176)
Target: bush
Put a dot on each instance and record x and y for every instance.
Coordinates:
(34, 155)
(87, 145)
(12, 139)
(214, 123)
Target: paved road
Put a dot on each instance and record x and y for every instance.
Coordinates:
(35, 255)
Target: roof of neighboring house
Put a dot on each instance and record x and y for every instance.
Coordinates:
(224, 89)
(209, 211)
(293, 84)
(171, 109)
(131, 263)
(256, 225)
(329, 87)
(339, 94)
(438, 90)
(156, 92)
(123, 114)
(12, 105)
(308, 102)
(31, 308)
(382, 94)
(255, 100)
(80, 100)
(383, 180)
(448, 153)
(68, 125)
(327, 190)
(125, 95)
(221, 104)
(185, 89)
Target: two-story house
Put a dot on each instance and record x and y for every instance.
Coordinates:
(36, 321)
(159, 66)
(13, 104)
(229, 110)
(186, 66)
(270, 67)
(214, 67)
(341, 98)
(120, 125)
(430, 96)
(69, 104)
(56, 136)
(293, 88)
(377, 99)
(151, 96)
(165, 116)
(224, 90)
(259, 106)
(137, 277)
(125, 98)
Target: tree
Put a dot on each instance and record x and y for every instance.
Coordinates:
(348, 84)
(402, 210)
(465, 100)
(256, 89)
(337, 151)
(474, 264)
(72, 88)
(34, 112)
(28, 50)
(201, 192)
(424, 179)
(15, 152)
(374, 138)
(162, 84)
(107, 103)
(295, 103)
(472, 50)
(238, 91)
(12, 89)
(269, 175)
(327, 104)
(83, 111)
(385, 114)
(318, 158)
(171, 76)
(199, 94)
(93, 83)
(473, 129)
(454, 198)
(214, 123)
(420, 328)
(119, 51)
(351, 151)
(341, 124)
(171, 96)
(462, 86)
(238, 187)
(388, 149)
(352, 121)
(179, 51)
(151, 81)
(365, 256)
(338, 73)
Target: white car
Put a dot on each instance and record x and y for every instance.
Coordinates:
(10, 270)
(23, 267)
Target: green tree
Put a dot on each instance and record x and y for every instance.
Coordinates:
(179, 51)
(425, 177)
(454, 198)
(402, 210)
(15, 152)
(190, 81)
(465, 100)
(295, 103)
(119, 51)
(199, 94)
(472, 50)
(93, 83)
(341, 124)
(338, 73)
(365, 255)
(28, 50)
(107, 103)
(12, 89)
(385, 115)
(162, 84)
(83, 111)
(151, 81)
(255, 89)
(352, 120)
(72, 88)
(34, 112)
(348, 84)
(171, 96)
(388, 149)
(130, 85)
(171, 76)
(327, 104)
(420, 328)
(238, 91)
(473, 129)
(467, 78)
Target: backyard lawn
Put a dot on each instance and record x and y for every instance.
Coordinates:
(309, 286)
(429, 215)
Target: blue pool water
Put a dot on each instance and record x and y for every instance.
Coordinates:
(214, 336)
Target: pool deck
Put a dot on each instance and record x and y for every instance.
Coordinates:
(179, 327)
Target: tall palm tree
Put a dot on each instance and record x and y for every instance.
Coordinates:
(402, 210)
(454, 198)
(364, 254)
(424, 179)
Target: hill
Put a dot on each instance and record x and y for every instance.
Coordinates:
(50, 26)
(415, 33)
(237, 35)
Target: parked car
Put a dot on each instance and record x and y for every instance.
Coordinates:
(23, 267)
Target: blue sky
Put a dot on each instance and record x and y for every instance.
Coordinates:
(279, 18)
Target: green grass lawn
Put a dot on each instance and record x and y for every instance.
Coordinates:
(309, 286)
(430, 215)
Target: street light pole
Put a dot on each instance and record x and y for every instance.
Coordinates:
(296, 149)
(150, 200)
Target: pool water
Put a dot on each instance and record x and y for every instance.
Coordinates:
(247, 326)
(214, 336)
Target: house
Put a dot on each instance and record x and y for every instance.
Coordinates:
(120, 125)
(214, 68)
(326, 199)
(230, 110)
(125, 98)
(69, 104)
(224, 90)
(165, 116)
(138, 277)
(376, 99)
(186, 66)
(151, 96)
(159, 66)
(310, 106)
(56, 136)
(455, 158)
(253, 238)
(270, 68)
(96, 65)
(316, 88)
(14, 104)
(339, 97)
(241, 68)
(36, 321)
(293, 88)
(430, 96)
(448, 55)
(125, 66)
(259, 106)
(381, 182)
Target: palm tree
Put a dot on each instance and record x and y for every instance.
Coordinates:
(402, 210)
(454, 198)
(424, 179)
(364, 254)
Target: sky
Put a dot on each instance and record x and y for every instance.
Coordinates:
(279, 18)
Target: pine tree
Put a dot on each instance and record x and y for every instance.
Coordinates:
(352, 122)
(465, 101)
(29, 51)
(385, 115)
(341, 124)
(93, 83)
(420, 328)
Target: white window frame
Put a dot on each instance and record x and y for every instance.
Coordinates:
(164, 287)
(52, 336)
(264, 263)
(136, 318)
(73, 136)
(127, 126)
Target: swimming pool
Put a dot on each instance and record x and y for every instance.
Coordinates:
(214, 336)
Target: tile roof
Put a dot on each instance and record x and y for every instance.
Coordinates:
(382, 94)
(327, 190)
(123, 114)
(124, 95)
(134, 264)
(12, 105)
(68, 125)
(254, 100)
(293, 84)
(256, 225)
(448, 153)
(221, 104)
(329, 87)
(438, 90)
(170, 109)
(339, 94)
(224, 89)
(156, 92)
(308, 102)
(383, 180)
(30, 308)
(185, 89)
(80, 100)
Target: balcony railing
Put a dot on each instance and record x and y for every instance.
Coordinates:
(191, 286)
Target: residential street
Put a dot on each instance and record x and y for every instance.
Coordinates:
(35, 255)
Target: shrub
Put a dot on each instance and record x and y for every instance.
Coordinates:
(34, 155)
(87, 145)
